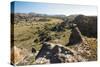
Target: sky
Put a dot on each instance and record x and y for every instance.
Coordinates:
(52, 8)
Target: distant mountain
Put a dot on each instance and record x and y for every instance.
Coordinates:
(29, 17)
(37, 15)
(71, 17)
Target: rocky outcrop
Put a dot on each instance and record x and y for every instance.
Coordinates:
(17, 55)
(21, 56)
(86, 24)
(56, 53)
(75, 37)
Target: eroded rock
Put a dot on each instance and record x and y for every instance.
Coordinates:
(56, 53)
(17, 55)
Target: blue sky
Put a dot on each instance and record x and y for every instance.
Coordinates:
(53, 9)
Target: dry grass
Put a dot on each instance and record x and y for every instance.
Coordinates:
(25, 35)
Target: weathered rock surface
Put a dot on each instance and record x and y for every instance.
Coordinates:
(86, 24)
(56, 53)
(17, 55)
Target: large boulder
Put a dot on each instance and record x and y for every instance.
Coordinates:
(17, 55)
(56, 53)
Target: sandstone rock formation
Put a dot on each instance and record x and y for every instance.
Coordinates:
(17, 55)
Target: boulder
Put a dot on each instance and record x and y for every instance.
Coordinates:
(56, 53)
(17, 55)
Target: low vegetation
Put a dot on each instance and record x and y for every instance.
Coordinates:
(30, 31)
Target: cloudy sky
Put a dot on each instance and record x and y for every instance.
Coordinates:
(53, 9)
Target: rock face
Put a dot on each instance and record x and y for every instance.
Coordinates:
(17, 55)
(20, 56)
(86, 24)
(56, 53)
(75, 37)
